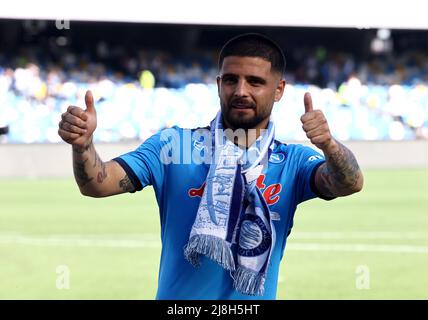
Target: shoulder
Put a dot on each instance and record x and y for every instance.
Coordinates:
(295, 153)
(294, 148)
(175, 137)
(182, 131)
(289, 149)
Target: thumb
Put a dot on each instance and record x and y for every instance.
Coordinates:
(308, 102)
(89, 101)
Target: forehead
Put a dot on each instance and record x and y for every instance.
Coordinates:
(246, 66)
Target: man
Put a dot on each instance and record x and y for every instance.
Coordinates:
(225, 213)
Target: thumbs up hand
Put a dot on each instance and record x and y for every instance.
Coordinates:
(315, 125)
(77, 125)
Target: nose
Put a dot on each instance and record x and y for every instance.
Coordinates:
(241, 89)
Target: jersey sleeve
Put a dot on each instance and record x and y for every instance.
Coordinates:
(146, 164)
(309, 161)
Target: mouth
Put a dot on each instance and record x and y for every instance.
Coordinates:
(242, 106)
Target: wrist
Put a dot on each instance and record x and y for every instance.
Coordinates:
(82, 148)
(331, 148)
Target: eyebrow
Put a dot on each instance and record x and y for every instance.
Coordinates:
(250, 78)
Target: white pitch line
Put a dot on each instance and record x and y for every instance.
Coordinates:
(367, 235)
(359, 235)
(398, 248)
(150, 241)
(82, 241)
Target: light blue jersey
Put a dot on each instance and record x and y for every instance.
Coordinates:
(179, 184)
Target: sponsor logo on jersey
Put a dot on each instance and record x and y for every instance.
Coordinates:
(270, 192)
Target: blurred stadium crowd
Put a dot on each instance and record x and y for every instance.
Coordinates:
(384, 98)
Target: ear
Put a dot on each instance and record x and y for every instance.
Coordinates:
(279, 90)
(218, 84)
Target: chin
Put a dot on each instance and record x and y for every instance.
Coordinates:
(243, 123)
(241, 119)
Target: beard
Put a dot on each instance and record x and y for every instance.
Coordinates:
(247, 119)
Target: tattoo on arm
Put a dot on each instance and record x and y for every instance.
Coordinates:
(102, 174)
(96, 159)
(126, 185)
(82, 150)
(80, 173)
(340, 174)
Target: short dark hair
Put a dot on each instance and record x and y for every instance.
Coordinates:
(254, 45)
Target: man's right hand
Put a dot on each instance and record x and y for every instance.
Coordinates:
(77, 125)
(94, 177)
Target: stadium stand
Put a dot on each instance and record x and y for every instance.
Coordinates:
(139, 91)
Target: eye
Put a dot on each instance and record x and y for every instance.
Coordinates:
(255, 81)
(227, 79)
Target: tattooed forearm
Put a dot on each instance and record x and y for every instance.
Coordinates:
(97, 160)
(95, 177)
(80, 173)
(340, 175)
(102, 173)
(80, 150)
(126, 185)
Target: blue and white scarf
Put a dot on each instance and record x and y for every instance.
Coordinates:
(233, 225)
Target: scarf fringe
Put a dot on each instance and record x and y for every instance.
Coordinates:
(213, 247)
(249, 282)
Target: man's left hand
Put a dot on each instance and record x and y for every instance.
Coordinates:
(316, 126)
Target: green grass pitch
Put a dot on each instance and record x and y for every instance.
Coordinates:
(373, 245)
